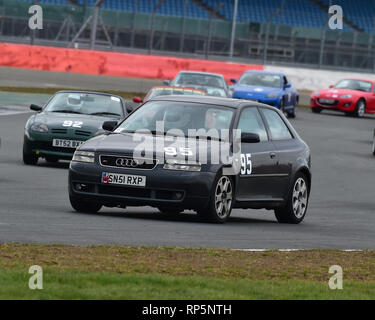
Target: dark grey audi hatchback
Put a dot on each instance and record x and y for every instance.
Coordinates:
(201, 153)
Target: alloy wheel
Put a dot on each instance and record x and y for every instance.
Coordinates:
(299, 199)
(223, 197)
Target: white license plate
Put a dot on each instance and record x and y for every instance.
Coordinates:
(328, 101)
(62, 143)
(124, 179)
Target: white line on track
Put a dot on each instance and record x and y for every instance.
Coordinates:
(289, 250)
(9, 110)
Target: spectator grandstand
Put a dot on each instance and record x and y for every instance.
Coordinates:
(305, 13)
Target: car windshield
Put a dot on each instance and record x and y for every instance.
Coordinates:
(177, 115)
(85, 103)
(199, 79)
(354, 85)
(164, 91)
(261, 79)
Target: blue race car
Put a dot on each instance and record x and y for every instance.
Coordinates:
(268, 88)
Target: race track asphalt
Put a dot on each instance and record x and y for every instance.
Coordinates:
(17, 77)
(34, 206)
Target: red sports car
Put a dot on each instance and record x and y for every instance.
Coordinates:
(352, 96)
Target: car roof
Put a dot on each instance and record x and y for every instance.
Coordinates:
(175, 87)
(203, 73)
(219, 101)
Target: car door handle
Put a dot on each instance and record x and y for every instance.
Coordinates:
(272, 155)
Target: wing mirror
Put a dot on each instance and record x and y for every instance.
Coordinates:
(35, 107)
(248, 137)
(167, 82)
(288, 85)
(137, 100)
(331, 86)
(109, 125)
(233, 80)
(129, 108)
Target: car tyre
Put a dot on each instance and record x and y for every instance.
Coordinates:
(84, 206)
(316, 110)
(221, 201)
(29, 158)
(360, 108)
(282, 108)
(296, 207)
(292, 114)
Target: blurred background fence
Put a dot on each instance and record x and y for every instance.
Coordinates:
(283, 32)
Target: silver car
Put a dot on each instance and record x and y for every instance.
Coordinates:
(213, 84)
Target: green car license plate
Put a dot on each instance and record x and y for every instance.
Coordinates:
(62, 143)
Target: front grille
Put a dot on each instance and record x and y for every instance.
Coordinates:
(83, 133)
(127, 162)
(124, 191)
(330, 104)
(139, 193)
(59, 131)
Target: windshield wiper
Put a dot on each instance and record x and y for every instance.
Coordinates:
(104, 113)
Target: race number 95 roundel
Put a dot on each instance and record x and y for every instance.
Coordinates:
(246, 164)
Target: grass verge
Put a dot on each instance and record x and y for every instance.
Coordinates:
(108, 285)
(119, 272)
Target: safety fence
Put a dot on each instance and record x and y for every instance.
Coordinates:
(204, 38)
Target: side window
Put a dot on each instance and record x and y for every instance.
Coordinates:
(251, 121)
(278, 129)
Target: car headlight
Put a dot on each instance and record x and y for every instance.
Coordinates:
(173, 164)
(272, 95)
(346, 96)
(39, 127)
(84, 156)
(316, 93)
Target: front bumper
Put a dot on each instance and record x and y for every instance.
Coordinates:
(340, 104)
(188, 190)
(41, 145)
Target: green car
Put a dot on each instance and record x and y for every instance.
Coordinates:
(67, 120)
